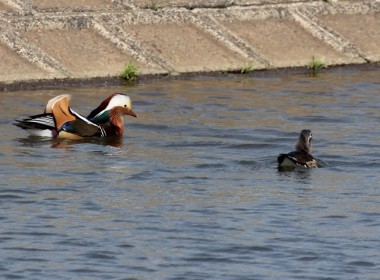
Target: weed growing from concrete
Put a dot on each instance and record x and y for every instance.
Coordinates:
(316, 64)
(153, 6)
(248, 68)
(129, 72)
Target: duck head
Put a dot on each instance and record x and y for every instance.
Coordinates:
(109, 114)
(118, 102)
(304, 141)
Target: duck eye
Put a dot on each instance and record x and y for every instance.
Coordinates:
(125, 105)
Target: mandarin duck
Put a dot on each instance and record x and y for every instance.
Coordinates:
(60, 121)
(301, 156)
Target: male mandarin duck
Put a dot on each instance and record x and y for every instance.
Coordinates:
(60, 121)
(301, 156)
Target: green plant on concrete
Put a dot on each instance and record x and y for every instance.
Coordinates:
(316, 64)
(129, 72)
(248, 68)
(153, 6)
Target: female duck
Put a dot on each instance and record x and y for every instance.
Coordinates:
(60, 121)
(301, 156)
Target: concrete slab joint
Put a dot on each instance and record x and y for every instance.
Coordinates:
(76, 39)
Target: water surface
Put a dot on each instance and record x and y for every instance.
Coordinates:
(192, 190)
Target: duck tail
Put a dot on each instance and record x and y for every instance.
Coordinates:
(42, 121)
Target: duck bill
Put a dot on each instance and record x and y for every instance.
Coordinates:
(131, 113)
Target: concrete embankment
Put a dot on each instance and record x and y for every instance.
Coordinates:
(63, 40)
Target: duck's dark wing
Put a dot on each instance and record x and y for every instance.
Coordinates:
(294, 159)
(82, 126)
(42, 121)
(70, 121)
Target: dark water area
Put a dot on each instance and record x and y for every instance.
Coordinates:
(192, 190)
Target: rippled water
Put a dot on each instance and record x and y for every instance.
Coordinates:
(192, 190)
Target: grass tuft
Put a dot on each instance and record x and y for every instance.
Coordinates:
(316, 64)
(153, 6)
(129, 72)
(248, 68)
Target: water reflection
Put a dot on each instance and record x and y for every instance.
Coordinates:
(35, 141)
(299, 175)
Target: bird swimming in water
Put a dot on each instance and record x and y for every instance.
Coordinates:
(301, 156)
(60, 121)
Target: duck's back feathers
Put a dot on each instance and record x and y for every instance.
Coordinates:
(68, 121)
(66, 98)
(61, 110)
(296, 159)
(55, 115)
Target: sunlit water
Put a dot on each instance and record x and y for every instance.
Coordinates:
(192, 190)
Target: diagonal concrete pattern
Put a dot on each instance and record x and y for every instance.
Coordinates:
(42, 40)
